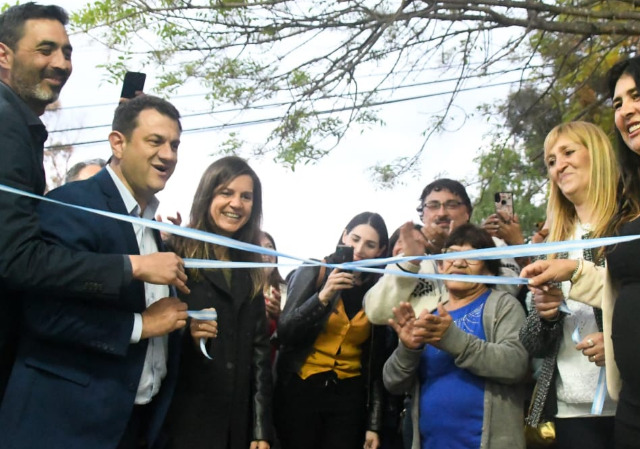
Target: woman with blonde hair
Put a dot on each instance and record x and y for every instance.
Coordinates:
(583, 181)
(617, 288)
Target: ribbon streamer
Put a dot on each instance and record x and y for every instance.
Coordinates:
(203, 315)
(363, 265)
(601, 386)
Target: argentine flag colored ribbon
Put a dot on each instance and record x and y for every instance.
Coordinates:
(204, 315)
(601, 386)
(164, 227)
(363, 265)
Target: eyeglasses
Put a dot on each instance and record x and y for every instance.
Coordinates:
(436, 205)
(470, 262)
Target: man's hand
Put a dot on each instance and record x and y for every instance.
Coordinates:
(436, 236)
(163, 316)
(259, 444)
(161, 269)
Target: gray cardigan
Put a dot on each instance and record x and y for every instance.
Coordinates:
(501, 360)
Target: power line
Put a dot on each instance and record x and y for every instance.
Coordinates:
(325, 112)
(278, 104)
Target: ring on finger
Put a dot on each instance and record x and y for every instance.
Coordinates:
(590, 343)
(592, 358)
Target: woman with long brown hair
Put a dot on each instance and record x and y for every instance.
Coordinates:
(224, 402)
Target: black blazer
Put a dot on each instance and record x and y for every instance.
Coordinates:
(76, 374)
(25, 260)
(224, 402)
(304, 318)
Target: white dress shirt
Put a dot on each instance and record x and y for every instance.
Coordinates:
(155, 362)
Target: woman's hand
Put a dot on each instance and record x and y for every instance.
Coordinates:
(259, 444)
(371, 440)
(203, 329)
(542, 272)
(501, 226)
(412, 242)
(272, 303)
(430, 328)
(338, 280)
(547, 302)
(403, 324)
(592, 346)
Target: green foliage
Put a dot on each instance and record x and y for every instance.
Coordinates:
(567, 85)
(504, 168)
(314, 55)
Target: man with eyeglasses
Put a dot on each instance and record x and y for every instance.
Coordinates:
(444, 205)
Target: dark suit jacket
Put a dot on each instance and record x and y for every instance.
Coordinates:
(25, 260)
(76, 375)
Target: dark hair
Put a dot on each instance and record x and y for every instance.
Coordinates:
(376, 222)
(628, 160)
(125, 119)
(476, 237)
(13, 19)
(275, 278)
(450, 185)
(216, 176)
(73, 172)
(372, 219)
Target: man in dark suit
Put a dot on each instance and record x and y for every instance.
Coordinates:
(100, 374)
(35, 62)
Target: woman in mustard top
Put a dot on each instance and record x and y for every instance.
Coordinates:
(329, 379)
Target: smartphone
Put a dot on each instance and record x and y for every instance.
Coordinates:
(133, 82)
(344, 253)
(504, 204)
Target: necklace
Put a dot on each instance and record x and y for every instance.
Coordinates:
(586, 227)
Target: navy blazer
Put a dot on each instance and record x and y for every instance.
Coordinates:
(75, 378)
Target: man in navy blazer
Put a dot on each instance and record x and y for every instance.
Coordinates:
(92, 374)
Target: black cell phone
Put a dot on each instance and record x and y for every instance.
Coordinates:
(504, 203)
(133, 82)
(344, 253)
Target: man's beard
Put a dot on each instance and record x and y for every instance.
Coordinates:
(34, 91)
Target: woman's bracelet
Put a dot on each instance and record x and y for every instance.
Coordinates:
(577, 272)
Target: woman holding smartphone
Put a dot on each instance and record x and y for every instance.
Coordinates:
(224, 402)
(329, 376)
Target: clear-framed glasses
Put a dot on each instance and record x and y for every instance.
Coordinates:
(436, 205)
(470, 262)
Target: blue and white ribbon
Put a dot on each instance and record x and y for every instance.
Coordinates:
(203, 315)
(601, 386)
(363, 265)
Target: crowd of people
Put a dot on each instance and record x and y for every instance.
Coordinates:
(107, 341)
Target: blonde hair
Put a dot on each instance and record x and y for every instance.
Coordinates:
(602, 192)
